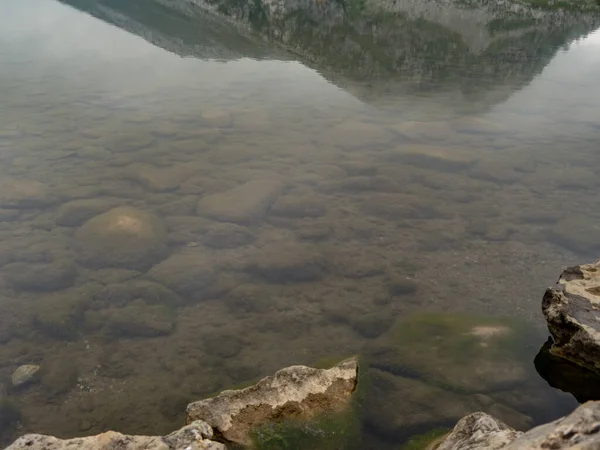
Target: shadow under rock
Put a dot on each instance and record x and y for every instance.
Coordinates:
(562, 374)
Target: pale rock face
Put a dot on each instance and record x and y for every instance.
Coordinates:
(578, 431)
(479, 431)
(195, 436)
(122, 237)
(572, 310)
(24, 374)
(298, 391)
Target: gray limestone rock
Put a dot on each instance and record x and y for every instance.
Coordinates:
(578, 431)
(246, 203)
(479, 431)
(195, 436)
(297, 392)
(572, 310)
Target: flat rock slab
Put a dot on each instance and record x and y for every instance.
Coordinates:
(195, 436)
(572, 310)
(296, 392)
(244, 204)
(580, 430)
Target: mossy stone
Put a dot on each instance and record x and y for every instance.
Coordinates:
(458, 352)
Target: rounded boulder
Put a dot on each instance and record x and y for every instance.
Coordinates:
(122, 237)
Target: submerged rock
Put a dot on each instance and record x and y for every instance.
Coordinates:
(227, 235)
(243, 204)
(191, 272)
(571, 310)
(22, 193)
(460, 353)
(59, 314)
(296, 392)
(580, 430)
(137, 319)
(195, 436)
(122, 237)
(76, 212)
(297, 207)
(286, 261)
(397, 406)
(40, 276)
(25, 374)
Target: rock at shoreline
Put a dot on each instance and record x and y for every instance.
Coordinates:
(479, 431)
(296, 392)
(578, 431)
(195, 436)
(572, 310)
(243, 204)
(122, 237)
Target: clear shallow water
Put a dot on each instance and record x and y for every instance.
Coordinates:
(473, 193)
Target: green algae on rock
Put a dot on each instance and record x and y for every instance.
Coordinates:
(122, 237)
(457, 352)
(426, 441)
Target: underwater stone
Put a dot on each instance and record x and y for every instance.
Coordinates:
(76, 212)
(296, 392)
(22, 193)
(571, 310)
(227, 235)
(122, 237)
(26, 276)
(243, 204)
(24, 374)
(134, 320)
(286, 261)
(460, 353)
(191, 272)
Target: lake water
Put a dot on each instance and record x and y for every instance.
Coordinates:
(297, 208)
